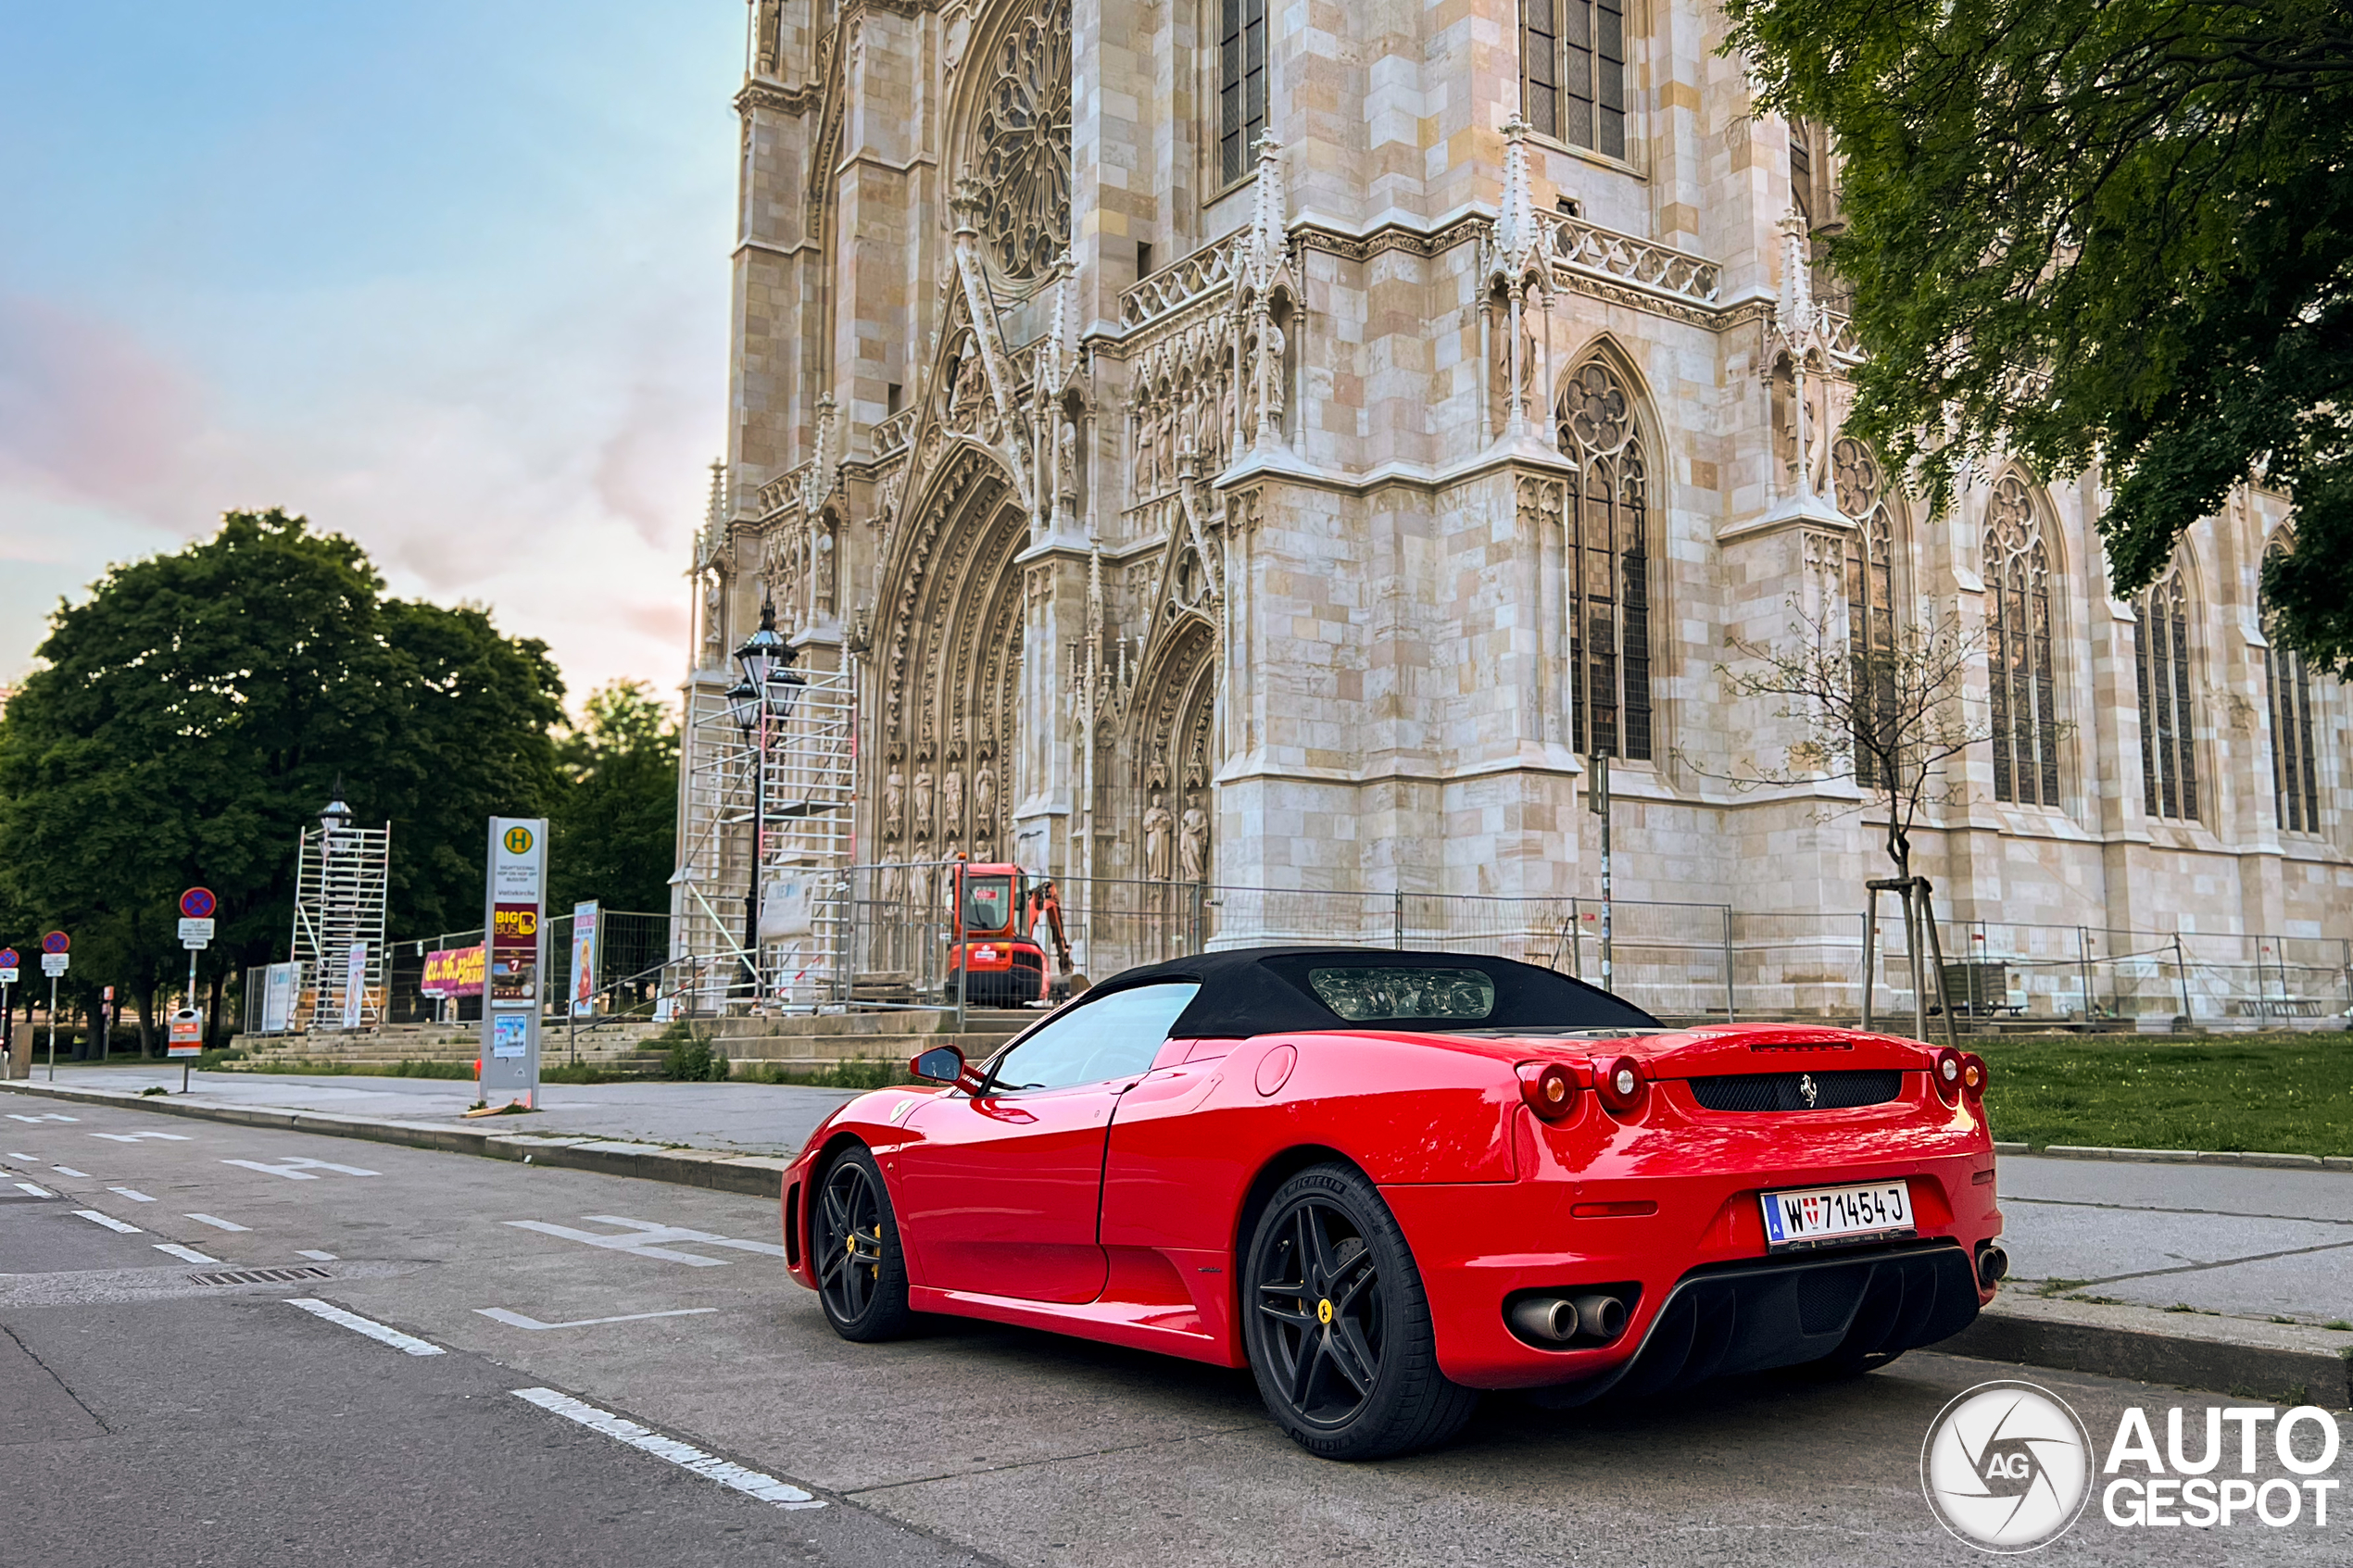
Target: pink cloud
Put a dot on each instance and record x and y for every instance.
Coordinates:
(89, 411)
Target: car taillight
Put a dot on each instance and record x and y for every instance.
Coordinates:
(1618, 1084)
(1944, 1071)
(1973, 1076)
(1550, 1087)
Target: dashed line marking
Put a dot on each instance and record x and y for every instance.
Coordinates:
(296, 1168)
(110, 1222)
(752, 1483)
(69, 1171)
(47, 1116)
(368, 1326)
(134, 1137)
(134, 1194)
(27, 1159)
(36, 1191)
(312, 1253)
(217, 1223)
(185, 1254)
(518, 1319)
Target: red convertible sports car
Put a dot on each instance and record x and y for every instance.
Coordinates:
(1387, 1180)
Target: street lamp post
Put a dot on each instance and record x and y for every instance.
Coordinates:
(766, 689)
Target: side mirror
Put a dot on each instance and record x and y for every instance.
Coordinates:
(941, 1064)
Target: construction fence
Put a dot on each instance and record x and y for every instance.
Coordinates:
(878, 938)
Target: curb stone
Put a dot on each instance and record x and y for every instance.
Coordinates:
(2182, 1157)
(2140, 1343)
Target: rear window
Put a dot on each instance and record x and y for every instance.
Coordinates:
(1363, 995)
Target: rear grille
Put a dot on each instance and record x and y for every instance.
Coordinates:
(1785, 1091)
(260, 1276)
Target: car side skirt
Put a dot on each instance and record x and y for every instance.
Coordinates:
(1137, 1326)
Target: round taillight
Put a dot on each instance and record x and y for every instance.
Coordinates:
(1945, 1070)
(1973, 1076)
(1549, 1088)
(1618, 1083)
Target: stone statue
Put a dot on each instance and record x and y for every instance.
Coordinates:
(1192, 845)
(890, 882)
(923, 802)
(714, 598)
(952, 803)
(821, 572)
(984, 797)
(1157, 822)
(894, 805)
(919, 888)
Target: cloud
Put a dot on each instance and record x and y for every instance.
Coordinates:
(91, 412)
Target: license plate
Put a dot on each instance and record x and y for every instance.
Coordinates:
(1817, 1216)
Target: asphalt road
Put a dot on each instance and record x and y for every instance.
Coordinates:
(145, 1416)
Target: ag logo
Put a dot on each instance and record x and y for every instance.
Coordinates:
(517, 841)
(2007, 1467)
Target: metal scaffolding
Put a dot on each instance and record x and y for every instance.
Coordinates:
(340, 874)
(797, 745)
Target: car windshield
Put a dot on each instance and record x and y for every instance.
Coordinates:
(1362, 994)
(989, 903)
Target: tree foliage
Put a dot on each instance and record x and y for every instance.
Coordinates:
(196, 710)
(614, 835)
(2110, 231)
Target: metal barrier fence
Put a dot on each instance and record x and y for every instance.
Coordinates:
(1678, 961)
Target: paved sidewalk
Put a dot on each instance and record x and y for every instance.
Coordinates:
(2241, 1241)
(771, 1119)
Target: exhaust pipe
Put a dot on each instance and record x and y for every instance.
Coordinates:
(1559, 1319)
(1603, 1317)
(1547, 1317)
(1992, 1266)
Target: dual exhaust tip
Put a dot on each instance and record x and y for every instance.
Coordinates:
(1992, 1266)
(1556, 1320)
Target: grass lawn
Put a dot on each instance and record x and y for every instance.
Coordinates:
(2282, 1094)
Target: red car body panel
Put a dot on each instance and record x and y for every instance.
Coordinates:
(1000, 1217)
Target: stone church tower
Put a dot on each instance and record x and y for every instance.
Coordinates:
(1276, 446)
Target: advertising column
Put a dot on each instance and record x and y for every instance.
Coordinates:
(514, 905)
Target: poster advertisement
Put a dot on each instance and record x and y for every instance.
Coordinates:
(453, 972)
(509, 1034)
(279, 985)
(355, 986)
(585, 921)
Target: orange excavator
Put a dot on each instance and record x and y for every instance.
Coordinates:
(994, 953)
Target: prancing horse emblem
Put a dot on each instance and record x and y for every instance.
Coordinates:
(1806, 1089)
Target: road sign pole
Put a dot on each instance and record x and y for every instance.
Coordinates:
(53, 1029)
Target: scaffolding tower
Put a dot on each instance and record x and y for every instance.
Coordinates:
(340, 876)
(770, 783)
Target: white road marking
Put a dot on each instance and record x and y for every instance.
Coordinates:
(217, 1223)
(27, 1159)
(752, 1483)
(45, 1116)
(185, 1254)
(642, 1238)
(368, 1326)
(108, 1220)
(134, 1137)
(132, 1192)
(296, 1168)
(304, 1251)
(69, 1171)
(36, 1191)
(518, 1321)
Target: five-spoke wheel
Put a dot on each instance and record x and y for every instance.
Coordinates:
(861, 1275)
(1338, 1326)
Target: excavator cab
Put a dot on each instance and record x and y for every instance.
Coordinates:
(993, 954)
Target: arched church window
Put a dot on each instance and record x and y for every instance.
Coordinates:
(2161, 670)
(1861, 488)
(1024, 143)
(2022, 686)
(1608, 566)
(2296, 774)
(1573, 71)
(1242, 84)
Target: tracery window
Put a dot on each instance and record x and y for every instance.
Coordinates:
(1861, 488)
(1242, 84)
(1573, 71)
(2296, 774)
(2023, 689)
(1608, 565)
(2161, 668)
(1024, 143)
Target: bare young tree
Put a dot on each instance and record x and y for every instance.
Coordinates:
(1885, 711)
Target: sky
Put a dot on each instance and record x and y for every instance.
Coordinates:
(448, 276)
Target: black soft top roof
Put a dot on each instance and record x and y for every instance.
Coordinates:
(1250, 991)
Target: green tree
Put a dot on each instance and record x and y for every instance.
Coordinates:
(2114, 231)
(196, 710)
(615, 830)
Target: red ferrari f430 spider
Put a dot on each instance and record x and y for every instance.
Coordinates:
(1385, 1181)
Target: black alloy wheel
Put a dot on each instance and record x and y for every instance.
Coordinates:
(1338, 1326)
(862, 1274)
